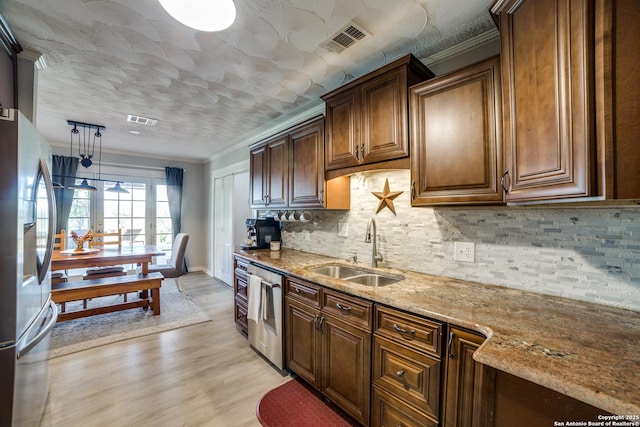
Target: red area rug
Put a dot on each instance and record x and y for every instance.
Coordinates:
(294, 405)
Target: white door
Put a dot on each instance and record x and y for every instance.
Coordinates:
(223, 228)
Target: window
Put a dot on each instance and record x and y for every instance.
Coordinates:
(80, 215)
(164, 236)
(128, 212)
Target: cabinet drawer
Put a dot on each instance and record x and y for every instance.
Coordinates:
(387, 410)
(304, 291)
(349, 309)
(412, 376)
(416, 332)
(240, 316)
(240, 284)
(241, 264)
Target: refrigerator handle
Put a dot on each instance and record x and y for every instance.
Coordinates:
(46, 261)
(28, 346)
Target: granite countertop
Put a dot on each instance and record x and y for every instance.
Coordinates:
(587, 351)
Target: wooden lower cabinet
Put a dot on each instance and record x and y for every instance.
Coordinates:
(389, 411)
(303, 341)
(240, 295)
(467, 385)
(330, 352)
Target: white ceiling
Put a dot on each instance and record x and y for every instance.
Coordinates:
(211, 91)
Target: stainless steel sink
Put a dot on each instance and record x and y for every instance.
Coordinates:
(373, 279)
(338, 271)
(357, 275)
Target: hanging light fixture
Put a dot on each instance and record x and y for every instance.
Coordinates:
(86, 140)
(84, 185)
(202, 15)
(117, 189)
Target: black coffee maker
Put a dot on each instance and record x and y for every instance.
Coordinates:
(260, 233)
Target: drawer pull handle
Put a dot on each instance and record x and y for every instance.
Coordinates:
(450, 345)
(344, 308)
(320, 325)
(315, 322)
(405, 334)
(400, 374)
(299, 291)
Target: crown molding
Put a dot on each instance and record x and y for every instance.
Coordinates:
(464, 47)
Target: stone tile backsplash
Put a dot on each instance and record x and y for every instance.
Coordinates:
(589, 254)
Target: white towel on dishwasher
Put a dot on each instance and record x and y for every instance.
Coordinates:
(254, 295)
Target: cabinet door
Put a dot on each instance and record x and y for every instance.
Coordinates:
(343, 130)
(306, 174)
(468, 392)
(257, 176)
(456, 138)
(277, 176)
(547, 71)
(346, 375)
(385, 117)
(302, 341)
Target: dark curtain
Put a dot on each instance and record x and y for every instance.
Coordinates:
(64, 172)
(173, 179)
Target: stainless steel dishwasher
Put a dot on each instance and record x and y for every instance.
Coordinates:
(265, 313)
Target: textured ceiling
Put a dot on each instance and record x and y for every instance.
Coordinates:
(211, 91)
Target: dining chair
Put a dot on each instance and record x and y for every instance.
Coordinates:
(60, 240)
(100, 240)
(174, 268)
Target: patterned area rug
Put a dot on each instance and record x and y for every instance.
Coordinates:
(293, 404)
(75, 335)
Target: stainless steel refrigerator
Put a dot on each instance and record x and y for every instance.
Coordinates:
(27, 229)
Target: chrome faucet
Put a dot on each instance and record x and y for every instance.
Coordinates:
(375, 256)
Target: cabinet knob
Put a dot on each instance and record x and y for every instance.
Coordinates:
(400, 374)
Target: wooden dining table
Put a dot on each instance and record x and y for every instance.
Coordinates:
(140, 255)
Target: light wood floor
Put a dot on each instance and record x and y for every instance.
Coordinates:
(200, 375)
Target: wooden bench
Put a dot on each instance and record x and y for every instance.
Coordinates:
(86, 289)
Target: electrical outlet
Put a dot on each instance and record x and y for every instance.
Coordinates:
(343, 229)
(464, 251)
(306, 235)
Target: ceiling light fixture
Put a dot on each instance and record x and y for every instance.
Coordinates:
(202, 15)
(86, 140)
(84, 185)
(117, 189)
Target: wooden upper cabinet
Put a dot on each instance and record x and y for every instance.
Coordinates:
(456, 138)
(343, 130)
(258, 182)
(306, 172)
(287, 171)
(571, 98)
(618, 95)
(368, 119)
(547, 74)
(278, 157)
(269, 170)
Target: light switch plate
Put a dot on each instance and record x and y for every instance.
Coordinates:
(343, 229)
(464, 251)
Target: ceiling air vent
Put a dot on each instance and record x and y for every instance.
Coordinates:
(345, 38)
(141, 120)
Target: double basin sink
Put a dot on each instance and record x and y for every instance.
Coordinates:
(357, 275)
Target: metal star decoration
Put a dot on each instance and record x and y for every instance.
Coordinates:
(386, 197)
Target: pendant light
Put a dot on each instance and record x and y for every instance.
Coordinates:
(117, 189)
(202, 15)
(84, 185)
